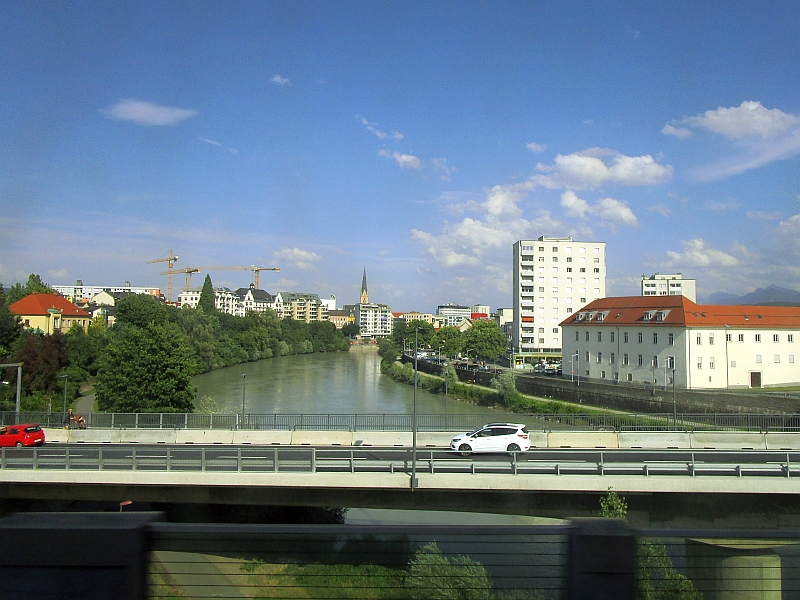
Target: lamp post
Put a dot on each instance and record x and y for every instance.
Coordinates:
(674, 403)
(414, 417)
(19, 388)
(64, 412)
(578, 372)
(244, 393)
(444, 370)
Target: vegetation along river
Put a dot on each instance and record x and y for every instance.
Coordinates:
(323, 383)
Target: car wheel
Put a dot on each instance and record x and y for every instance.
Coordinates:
(513, 448)
(465, 449)
(19, 444)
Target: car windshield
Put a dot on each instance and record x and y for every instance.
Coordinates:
(474, 431)
(32, 429)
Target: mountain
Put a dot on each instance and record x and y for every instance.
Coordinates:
(762, 296)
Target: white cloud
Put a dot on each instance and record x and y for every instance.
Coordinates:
(534, 147)
(280, 80)
(403, 160)
(216, 143)
(381, 135)
(607, 209)
(697, 253)
(440, 167)
(661, 209)
(588, 169)
(679, 132)
(147, 113)
(750, 119)
(760, 215)
(304, 260)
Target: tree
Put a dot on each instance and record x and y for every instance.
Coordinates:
(387, 350)
(399, 333)
(351, 330)
(43, 357)
(426, 335)
(207, 297)
(506, 384)
(146, 369)
(140, 310)
(450, 340)
(432, 576)
(613, 506)
(487, 340)
(34, 285)
(10, 329)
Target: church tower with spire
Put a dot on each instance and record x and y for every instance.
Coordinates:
(364, 294)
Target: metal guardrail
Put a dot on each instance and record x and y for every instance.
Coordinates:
(425, 422)
(240, 459)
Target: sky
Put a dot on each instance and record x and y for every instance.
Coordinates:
(418, 140)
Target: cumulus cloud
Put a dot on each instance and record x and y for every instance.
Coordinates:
(147, 113)
(382, 135)
(597, 166)
(403, 160)
(606, 210)
(698, 253)
(440, 167)
(280, 80)
(679, 132)
(536, 148)
(750, 119)
(305, 260)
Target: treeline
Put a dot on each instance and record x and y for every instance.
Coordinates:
(144, 361)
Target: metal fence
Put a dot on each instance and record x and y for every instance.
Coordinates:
(610, 421)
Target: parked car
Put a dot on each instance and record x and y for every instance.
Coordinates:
(27, 434)
(494, 437)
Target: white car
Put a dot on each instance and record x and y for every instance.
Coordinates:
(494, 437)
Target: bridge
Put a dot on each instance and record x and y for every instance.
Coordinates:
(663, 487)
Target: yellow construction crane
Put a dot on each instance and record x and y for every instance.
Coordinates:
(188, 271)
(256, 270)
(170, 260)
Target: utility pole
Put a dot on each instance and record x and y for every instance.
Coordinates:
(414, 417)
(64, 412)
(19, 388)
(244, 392)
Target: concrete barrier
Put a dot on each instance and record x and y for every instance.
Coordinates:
(204, 436)
(538, 439)
(322, 438)
(148, 436)
(282, 437)
(95, 436)
(582, 439)
(434, 439)
(728, 440)
(382, 438)
(57, 435)
(655, 439)
(783, 441)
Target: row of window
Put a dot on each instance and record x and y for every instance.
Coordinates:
(555, 259)
(567, 249)
(670, 362)
(625, 337)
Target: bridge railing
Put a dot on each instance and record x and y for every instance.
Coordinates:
(425, 422)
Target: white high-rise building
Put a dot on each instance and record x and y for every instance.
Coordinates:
(553, 277)
(662, 284)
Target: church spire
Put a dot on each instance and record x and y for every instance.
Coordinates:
(364, 294)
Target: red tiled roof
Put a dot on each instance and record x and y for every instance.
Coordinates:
(678, 310)
(38, 304)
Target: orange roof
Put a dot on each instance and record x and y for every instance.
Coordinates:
(40, 304)
(680, 311)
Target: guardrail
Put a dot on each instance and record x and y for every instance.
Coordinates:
(425, 422)
(312, 460)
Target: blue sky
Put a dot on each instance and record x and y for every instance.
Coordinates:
(418, 139)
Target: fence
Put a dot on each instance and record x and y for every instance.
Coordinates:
(425, 422)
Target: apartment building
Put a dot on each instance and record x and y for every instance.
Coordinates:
(655, 340)
(552, 277)
(84, 293)
(662, 284)
(224, 300)
(453, 314)
(300, 307)
(49, 313)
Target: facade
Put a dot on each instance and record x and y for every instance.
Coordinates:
(453, 314)
(224, 300)
(414, 316)
(300, 307)
(656, 340)
(330, 303)
(254, 300)
(661, 284)
(373, 320)
(339, 318)
(49, 313)
(83, 293)
(553, 278)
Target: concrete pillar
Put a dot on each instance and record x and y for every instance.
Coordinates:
(602, 560)
(734, 569)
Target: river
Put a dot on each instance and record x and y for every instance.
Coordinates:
(323, 383)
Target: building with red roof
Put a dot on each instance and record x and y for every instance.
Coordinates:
(656, 340)
(49, 313)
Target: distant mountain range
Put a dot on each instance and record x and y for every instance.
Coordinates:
(762, 296)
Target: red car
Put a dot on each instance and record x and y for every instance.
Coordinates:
(27, 434)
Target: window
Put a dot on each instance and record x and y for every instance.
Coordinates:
(671, 339)
(541, 248)
(569, 259)
(791, 359)
(602, 374)
(541, 259)
(599, 357)
(641, 337)
(741, 337)
(625, 359)
(728, 337)
(670, 362)
(596, 270)
(630, 377)
(583, 300)
(599, 336)
(555, 329)
(555, 259)
(775, 338)
(711, 363)
(569, 269)
(655, 338)
(699, 363)
(596, 260)
(555, 248)
(612, 359)
(577, 336)
(625, 337)
(777, 359)
(733, 364)
(587, 336)
(612, 336)
(641, 360)
(790, 338)
(541, 290)
(655, 362)
(583, 269)
(758, 337)
(699, 339)
(710, 339)
(758, 359)
(587, 357)
(569, 310)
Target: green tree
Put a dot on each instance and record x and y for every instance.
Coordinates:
(388, 351)
(400, 333)
(486, 339)
(506, 384)
(34, 285)
(450, 340)
(425, 337)
(140, 310)
(351, 330)
(432, 576)
(43, 357)
(613, 506)
(146, 369)
(10, 330)
(207, 297)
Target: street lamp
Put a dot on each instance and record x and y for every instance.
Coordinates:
(444, 370)
(674, 403)
(244, 393)
(19, 388)
(414, 417)
(572, 366)
(64, 412)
